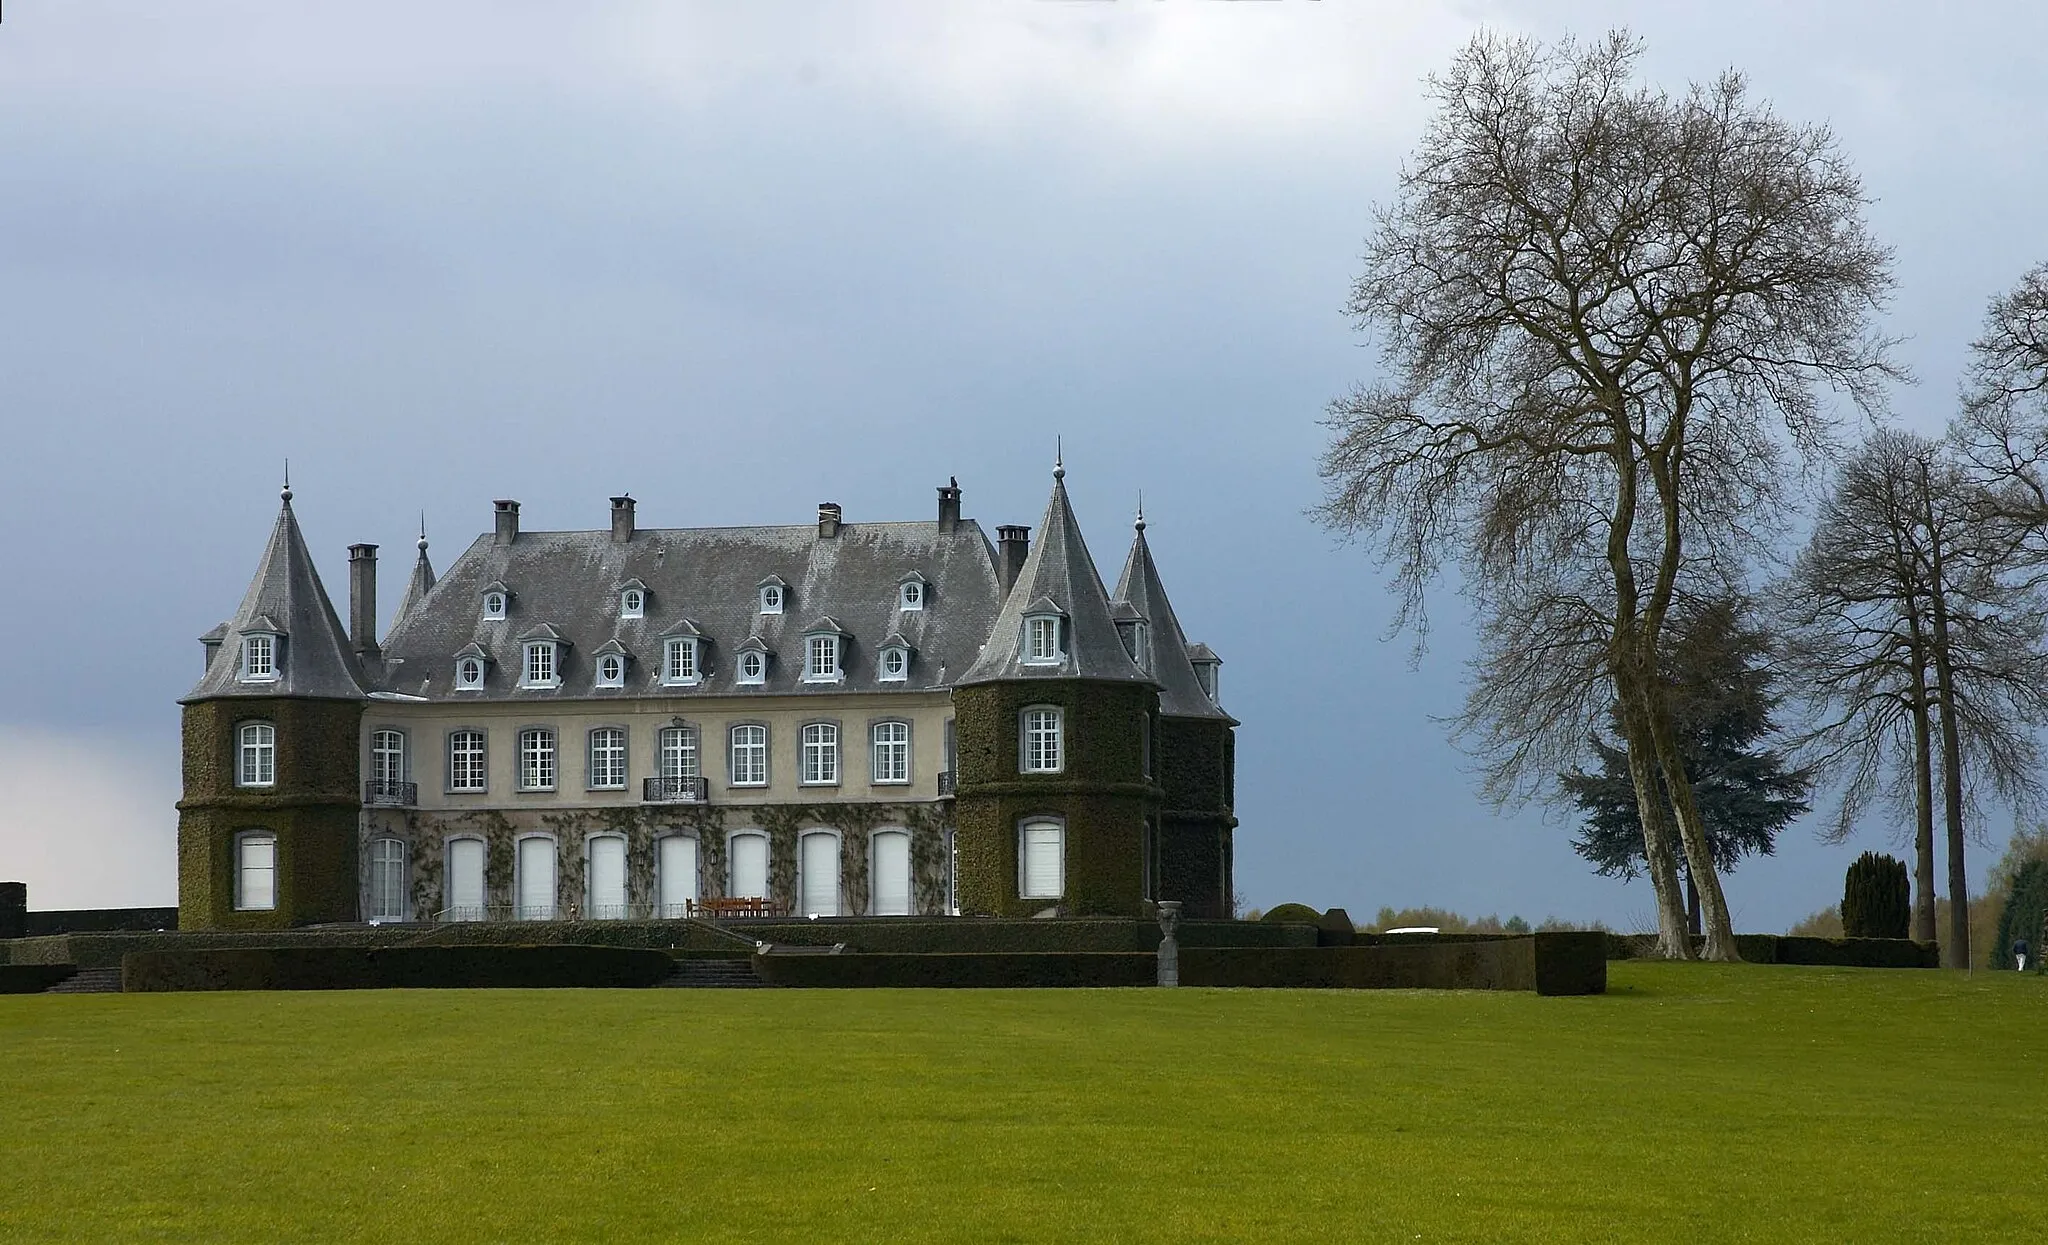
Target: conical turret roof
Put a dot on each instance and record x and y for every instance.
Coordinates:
(1058, 573)
(1180, 692)
(286, 599)
(421, 583)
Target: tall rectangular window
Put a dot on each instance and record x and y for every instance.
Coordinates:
(749, 766)
(466, 761)
(1041, 860)
(256, 872)
(821, 753)
(680, 665)
(679, 752)
(540, 664)
(387, 757)
(607, 758)
(537, 759)
(387, 880)
(822, 657)
(1044, 750)
(256, 765)
(891, 761)
(1042, 639)
(259, 657)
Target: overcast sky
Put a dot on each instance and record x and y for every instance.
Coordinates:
(738, 259)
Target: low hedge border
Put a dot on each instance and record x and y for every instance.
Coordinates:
(388, 968)
(33, 978)
(1001, 970)
(963, 935)
(1798, 949)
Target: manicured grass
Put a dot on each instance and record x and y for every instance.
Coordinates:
(1691, 1102)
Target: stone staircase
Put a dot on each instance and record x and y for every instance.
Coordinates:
(89, 981)
(722, 974)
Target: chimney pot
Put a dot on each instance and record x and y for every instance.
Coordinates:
(828, 520)
(508, 522)
(949, 507)
(622, 520)
(1013, 545)
(362, 599)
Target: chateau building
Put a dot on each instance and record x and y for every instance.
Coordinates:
(844, 718)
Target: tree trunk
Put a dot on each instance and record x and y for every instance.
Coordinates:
(1958, 950)
(1692, 834)
(1923, 812)
(1659, 843)
(1692, 906)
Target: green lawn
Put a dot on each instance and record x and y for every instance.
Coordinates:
(1691, 1102)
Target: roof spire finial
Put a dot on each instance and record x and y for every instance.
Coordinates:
(285, 494)
(1059, 460)
(423, 533)
(1140, 524)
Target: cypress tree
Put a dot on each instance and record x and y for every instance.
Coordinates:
(1876, 898)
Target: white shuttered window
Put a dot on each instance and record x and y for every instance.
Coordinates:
(1042, 866)
(256, 872)
(387, 880)
(892, 873)
(607, 878)
(536, 880)
(748, 857)
(677, 867)
(819, 864)
(466, 880)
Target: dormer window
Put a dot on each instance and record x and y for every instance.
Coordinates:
(912, 592)
(823, 649)
(259, 658)
(496, 597)
(892, 659)
(610, 665)
(469, 669)
(679, 661)
(774, 594)
(1208, 669)
(633, 600)
(1042, 640)
(1132, 633)
(752, 668)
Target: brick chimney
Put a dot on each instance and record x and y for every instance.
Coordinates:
(622, 520)
(828, 520)
(1013, 545)
(508, 522)
(949, 506)
(362, 599)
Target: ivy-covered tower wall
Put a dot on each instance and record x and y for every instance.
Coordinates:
(1195, 764)
(1102, 795)
(313, 808)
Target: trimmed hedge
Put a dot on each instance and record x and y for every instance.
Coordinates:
(1335, 928)
(33, 978)
(100, 920)
(1793, 949)
(387, 968)
(963, 970)
(1290, 914)
(939, 935)
(1565, 963)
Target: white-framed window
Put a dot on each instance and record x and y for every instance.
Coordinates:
(469, 674)
(817, 867)
(1132, 632)
(1041, 859)
(821, 658)
(542, 667)
(607, 758)
(1042, 640)
(746, 862)
(891, 752)
(464, 893)
(537, 759)
(820, 754)
(256, 871)
(889, 890)
(533, 883)
(771, 598)
(494, 606)
(675, 866)
(910, 594)
(753, 667)
(748, 747)
(466, 770)
(679, 661)
(388, 880)
(1206, 674)
(387, 757)
(894, 664)
(633, 603)
(256, 755)
(677, 747)
(604, 877)
(611, 670)
(1042, 741)
(259, 658)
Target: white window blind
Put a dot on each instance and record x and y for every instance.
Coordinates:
(256, 873)
(466, 880)
(607, 879)
(748, 855)
(892, 873)
(536, 880)
(820, 867)
(1044, 864)
(677, 866)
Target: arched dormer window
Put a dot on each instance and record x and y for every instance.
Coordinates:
(632, 599)
(682, 655)
(1044, 639)
(1130, 632)
(1208, 670)
(912, 591)
(262, 652)
(608, 664)
(892, 659)
(540, 663)
(751, 666)
(471, 664)
(824, 652)
(774, 594)
(497, 599)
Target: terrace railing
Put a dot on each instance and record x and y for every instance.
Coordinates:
(383, 791)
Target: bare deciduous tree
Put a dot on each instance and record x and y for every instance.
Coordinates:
(1605, 315)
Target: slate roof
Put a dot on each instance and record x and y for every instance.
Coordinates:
(287, 598)
(1058, 576)
(421, 583)
(1180, 692)
(709, 578)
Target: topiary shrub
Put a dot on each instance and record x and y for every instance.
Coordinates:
(1292, 914)
(1876, 898)
(2024, 908)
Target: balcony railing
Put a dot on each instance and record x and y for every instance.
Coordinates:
(675, 790)
(394, 794)
(946, 782)
(689, 909)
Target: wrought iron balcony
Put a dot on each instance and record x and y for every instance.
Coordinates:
(675, 790)
(392, 794)
(946, 782)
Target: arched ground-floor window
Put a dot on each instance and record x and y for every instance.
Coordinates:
(388, 879)
(747, 859)
(464, 899)
(675, 867)
(1041, 859)
(535, 883)
(890, 877)
(818, 873)
(256, 871)
(607, 898)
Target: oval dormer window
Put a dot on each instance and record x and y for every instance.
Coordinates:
(752, 667)
(611, 670)
(632, 603)
(894, 663)
(469, 673)
(913, 595)
(771, 598)
(494, 605)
